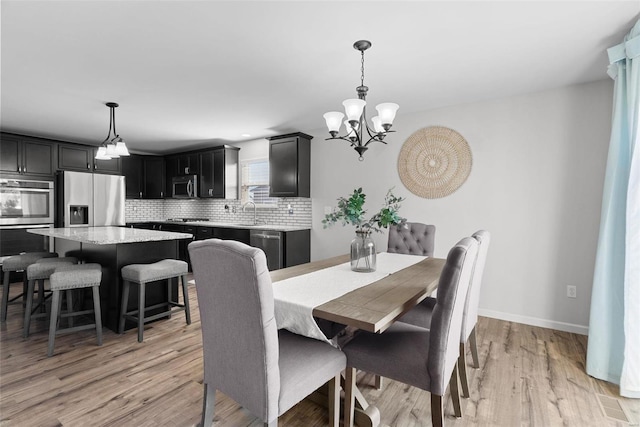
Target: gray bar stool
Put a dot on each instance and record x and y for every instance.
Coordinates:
(17, 263)
(38, 273)
(141, 274)
(68, 277)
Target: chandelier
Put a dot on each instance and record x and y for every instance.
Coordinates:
(356, 122)
(112, 148)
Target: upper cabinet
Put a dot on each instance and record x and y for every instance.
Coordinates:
(186, 164)
(81, 158)
(27, 156)
(218, 176)
(144, 177)
(290, 165)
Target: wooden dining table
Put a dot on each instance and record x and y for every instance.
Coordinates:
(373, 307)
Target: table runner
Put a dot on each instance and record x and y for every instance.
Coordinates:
(295, 298)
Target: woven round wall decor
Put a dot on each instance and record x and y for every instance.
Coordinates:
(434, 162)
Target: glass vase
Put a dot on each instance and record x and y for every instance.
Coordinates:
(363, 252)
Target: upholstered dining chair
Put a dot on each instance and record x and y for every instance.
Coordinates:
(265, 370)
(421, 314)
(412, 238)
(418, 356)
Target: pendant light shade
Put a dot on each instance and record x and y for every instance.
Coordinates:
(354, 108)
(334, 121)
(112, 148)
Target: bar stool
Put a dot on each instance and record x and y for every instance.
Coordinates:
(17, 263)
(38, 273)
(142, 274)
(67, 277)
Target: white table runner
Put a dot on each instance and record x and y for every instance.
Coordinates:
(295, 298)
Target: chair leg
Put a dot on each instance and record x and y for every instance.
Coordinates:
(41, 295)
(125, 303)
(53, 324)
(474, 348)
(27, 311)
(462, 368)
(185, 295)
(141, 299)
(208, 405)
(97, 313)
(5, 296)
(379, 383)
(349, 395)
(334, 401)
(437, 411)
(454, 392)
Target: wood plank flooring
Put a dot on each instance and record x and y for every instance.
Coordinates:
(529, 376)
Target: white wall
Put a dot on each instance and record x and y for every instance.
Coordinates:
(536, 185)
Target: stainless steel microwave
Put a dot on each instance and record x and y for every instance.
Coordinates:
(184, 186)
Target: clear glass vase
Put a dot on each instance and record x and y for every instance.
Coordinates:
(363, 252)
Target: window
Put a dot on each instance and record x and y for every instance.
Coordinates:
(255, 183)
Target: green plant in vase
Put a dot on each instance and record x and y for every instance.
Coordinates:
(350, 211)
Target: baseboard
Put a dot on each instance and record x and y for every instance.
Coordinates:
(534, 321)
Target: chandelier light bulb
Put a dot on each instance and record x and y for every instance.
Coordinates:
(334, 121)
(354, 108)
(387, 112)
(377, 124)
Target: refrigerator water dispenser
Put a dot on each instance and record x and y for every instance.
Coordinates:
(79, 215)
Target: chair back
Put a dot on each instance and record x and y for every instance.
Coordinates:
(470, 316)
(446, 322)
(412, 238)
(239, 333)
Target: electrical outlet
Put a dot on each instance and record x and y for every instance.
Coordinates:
(290, 209)
(571, 291)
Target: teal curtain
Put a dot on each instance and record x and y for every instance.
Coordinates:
(613, 352)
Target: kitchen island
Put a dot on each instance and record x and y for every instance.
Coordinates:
(114, 248)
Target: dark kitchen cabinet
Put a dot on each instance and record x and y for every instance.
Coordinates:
(24, 156)
(170, 171)
(219, 173)
(77, 158)
(111, 166)
(238, 234)
(144, 176)
(290, 165)
(187, 164)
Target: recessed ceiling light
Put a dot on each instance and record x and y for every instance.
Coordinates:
(246, 135)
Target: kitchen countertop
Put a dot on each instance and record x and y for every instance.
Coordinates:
(236, 225)
(109, 235)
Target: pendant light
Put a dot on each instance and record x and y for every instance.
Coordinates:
(112, 148)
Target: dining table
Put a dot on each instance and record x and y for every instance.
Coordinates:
(364, 301)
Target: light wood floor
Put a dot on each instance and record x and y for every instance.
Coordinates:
(529, 377)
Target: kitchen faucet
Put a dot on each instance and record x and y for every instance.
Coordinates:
(255, 212)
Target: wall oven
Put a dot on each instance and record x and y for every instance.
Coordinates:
(25, 204)
(185, 186)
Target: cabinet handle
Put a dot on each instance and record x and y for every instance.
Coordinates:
(95, 167)
(186, 170)
(141, 194)
(162, 194)
(211, 191)
(88, 166)
(19, 169)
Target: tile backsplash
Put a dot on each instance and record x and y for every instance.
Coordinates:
(214, 209)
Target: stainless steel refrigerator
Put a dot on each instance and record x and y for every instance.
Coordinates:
(89, 200)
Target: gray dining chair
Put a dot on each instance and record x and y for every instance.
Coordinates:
(265, 370)
(412, 238)
(421, 314)
(418, 356)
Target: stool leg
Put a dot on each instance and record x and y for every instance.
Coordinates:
(141, 311)
(169, 297)
(97, 312)
(125, 303)
(24, 287)
(70, 307)
(53, 324)
(185, 295)
(41, 295)
(27, 311)
(5, 296)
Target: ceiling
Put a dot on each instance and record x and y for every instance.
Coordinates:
(201, 73)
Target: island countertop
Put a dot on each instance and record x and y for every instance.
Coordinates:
(109, 235)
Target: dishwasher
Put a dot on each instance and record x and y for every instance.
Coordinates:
(271, 243)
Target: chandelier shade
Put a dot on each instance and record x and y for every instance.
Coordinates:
(356, 124)
(112, 147)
